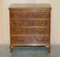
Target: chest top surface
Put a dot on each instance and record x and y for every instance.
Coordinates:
(30, 6)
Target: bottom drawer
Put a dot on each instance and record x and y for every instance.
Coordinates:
(30, 39)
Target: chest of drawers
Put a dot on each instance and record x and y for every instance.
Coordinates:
(30, 25)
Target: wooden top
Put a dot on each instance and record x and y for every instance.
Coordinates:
(30, 6)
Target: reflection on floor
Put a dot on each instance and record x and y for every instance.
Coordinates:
(30, 51)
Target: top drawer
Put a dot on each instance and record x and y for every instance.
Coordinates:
(29, 13)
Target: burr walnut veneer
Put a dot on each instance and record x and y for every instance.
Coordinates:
(30, 25)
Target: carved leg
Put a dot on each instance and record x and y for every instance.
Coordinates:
(11, 48)
(49, 48)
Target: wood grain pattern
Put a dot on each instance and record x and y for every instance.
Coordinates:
(30, 22)
(30, 25)
(30, 39)
(30, 31)
(30, 14)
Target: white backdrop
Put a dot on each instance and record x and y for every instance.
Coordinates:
(29, 1)
(55, 25)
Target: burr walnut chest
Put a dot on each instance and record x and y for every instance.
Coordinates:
(30, 25)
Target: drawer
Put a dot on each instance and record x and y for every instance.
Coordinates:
(30, 39)
(20, 23)
(37, 14)
(41, 31)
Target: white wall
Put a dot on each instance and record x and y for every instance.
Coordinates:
(55, 37)
(0, 20)
(29, 1)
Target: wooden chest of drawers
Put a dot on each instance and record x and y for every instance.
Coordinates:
(30, 25)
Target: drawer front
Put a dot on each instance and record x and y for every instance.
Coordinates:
(20, 23)
(41, 31)
(32, 14)
(30, 39)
